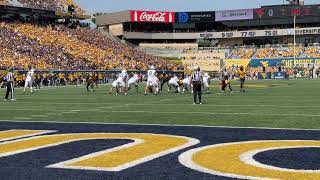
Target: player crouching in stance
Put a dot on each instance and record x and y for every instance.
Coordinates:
(225, 82)
(174, 82)
(150, 87)
(28, 81)
(133, 81)
(120, 84)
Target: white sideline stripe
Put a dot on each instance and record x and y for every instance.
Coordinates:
(163, 125)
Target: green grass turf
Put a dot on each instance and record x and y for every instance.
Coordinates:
(277, 104)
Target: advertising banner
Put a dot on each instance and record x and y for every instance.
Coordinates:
(280, 75)
(263, 75)
(230, 15)
(288, 62)
(237, 62)
(205, 65)
(259, 33)
(194, 17)
(152, 16)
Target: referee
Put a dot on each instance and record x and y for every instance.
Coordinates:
(10, 88)
(196, 80)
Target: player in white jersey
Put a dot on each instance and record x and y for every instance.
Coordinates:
(174, 82)
(28, 80)
(119, 84)
(150, 80)
(156, 84)
(186, 84)
(133, 81)
(206, 80)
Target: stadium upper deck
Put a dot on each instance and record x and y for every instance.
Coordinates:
(260, 26)
(60, 6)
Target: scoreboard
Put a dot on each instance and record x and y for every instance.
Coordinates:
(272, 12)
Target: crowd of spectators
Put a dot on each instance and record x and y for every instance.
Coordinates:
(58, 47)
(52, 5)
(275, 52)
(243, 52)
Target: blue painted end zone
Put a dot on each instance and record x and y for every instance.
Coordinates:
(31, 165)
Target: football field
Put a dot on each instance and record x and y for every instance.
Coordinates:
(269, 132)
(275, 104)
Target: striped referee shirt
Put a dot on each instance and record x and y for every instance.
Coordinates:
(9, 77)
(197, 76)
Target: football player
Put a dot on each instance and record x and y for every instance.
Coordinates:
(174, 82)
(150, 80)
(28, 81)
(133, 81)
(186, 84)
(242, 76)
(206, 80)
(119, 84)
(225, 82)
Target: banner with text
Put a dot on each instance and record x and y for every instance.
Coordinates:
(237, 62)
(287, 62)
(194, 17)
(231, 15)
(152, 16)
(205, 65)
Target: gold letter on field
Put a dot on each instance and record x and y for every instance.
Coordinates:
(143, 148)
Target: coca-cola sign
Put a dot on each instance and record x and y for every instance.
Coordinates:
(152, 16)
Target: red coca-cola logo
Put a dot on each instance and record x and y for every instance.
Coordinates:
(157, 17)
(152, 16)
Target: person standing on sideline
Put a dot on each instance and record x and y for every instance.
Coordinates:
(10, 88)
(196, 80)
(242, 76)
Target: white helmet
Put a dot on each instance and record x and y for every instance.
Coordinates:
(32, 70)
(136, 76)
(152, 67)
(124, 71)
(196, 67)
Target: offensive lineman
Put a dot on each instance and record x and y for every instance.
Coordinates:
(133, 81)
(120, 82)
(186, 84)
(28, 81)
(206, 80)
(174, 82)
(150, 81)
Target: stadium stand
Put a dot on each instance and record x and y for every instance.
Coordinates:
(52, 5)
(243, 52)
(59, 47)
